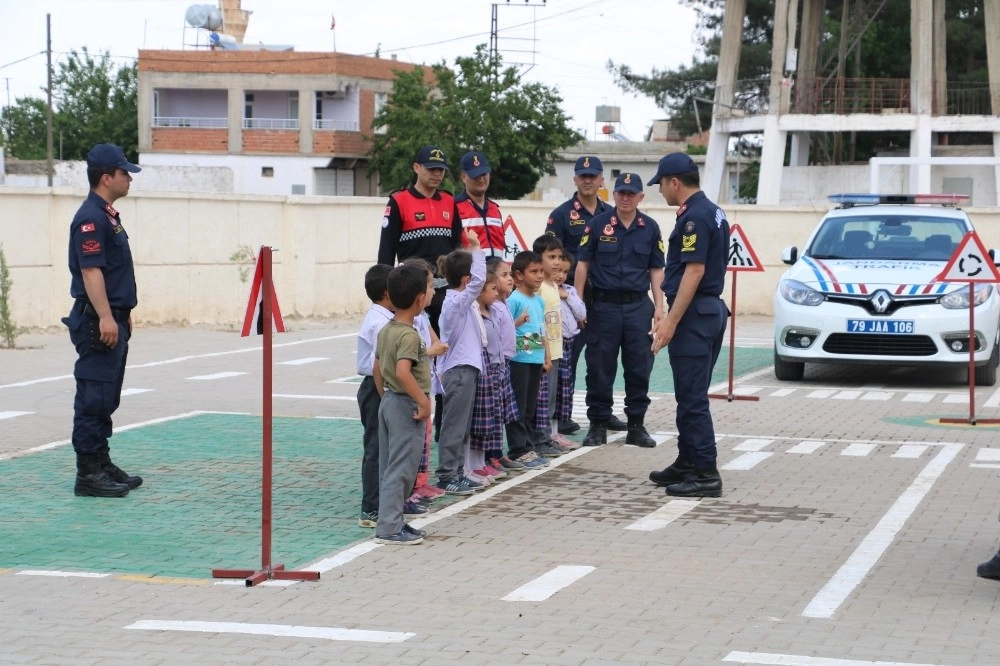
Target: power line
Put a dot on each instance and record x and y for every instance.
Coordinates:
(22, 59)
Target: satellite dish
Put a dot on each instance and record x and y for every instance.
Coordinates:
(203, 16)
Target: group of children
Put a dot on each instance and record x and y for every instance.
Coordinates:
(502, 365)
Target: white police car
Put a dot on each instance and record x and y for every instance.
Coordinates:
(864, 290)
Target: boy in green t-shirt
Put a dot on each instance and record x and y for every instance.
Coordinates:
(403, 378)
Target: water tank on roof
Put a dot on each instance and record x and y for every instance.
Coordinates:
(203, 16)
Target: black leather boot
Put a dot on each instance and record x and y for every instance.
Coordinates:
(92, 479)
(116, 473)
(990, 569)
(596, 435)
(637, 435)
(674, 473)
(704, 482)
(616, 424)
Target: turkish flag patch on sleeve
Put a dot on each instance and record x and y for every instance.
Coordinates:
(87, 228)
(91, 247)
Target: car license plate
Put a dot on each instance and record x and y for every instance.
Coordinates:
(894, 326)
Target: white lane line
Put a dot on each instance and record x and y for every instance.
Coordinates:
(747, 461)
(753, 445)
(284, 630)
(295, 396)
(134, 391)
(549, 583)
(801, 660)
(130, 426)
(62, 574)
(909, 451)
(256, 348)
(847, 395)
(11, 415)
(856, 568)
(994, 400)
(663, 516)
(877, 395)
(985, 465)
(349, 379)
(956, 399)
(32, 382)
(859, 449)
(305, 361)
(986, 454)
(918, 397)
(747, 390)
(781, 393)
(217, 375)
(807, 446)
(821, 393)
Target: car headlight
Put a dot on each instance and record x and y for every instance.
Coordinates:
(796, 292)
(959, 299)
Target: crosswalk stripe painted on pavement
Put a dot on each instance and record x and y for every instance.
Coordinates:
(11, 415)
(549, 583)
(663, 516)
(285, 630)
(217, 375)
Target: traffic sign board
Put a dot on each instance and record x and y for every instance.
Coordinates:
(253, 320)
(513, 241)
(970, 262)
(741, 254)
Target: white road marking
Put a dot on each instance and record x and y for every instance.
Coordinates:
(62, 574)
(806, 447)
(985, 465)
(295, 396)
(256, 348)
(10, 415)
(753, 445)
(994, 400)
(349, 379)
(217, 375)
(909, 451)
(32, 382)
(549, 583)
(821, 393)
(956, 399)
(800, 660)
(284, 630)
(746, 390)
(663, 516)
(918, 397)
(856, 568)
(846, 395)
(780, 393)
(859, 449)
(877, 395)
(987, 454)
(747, 461)
(304, 361)
(134, 391)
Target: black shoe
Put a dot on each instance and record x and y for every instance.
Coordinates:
(637, 436)
(116, 473)
(698, 483)
(990, 569)
(616, 424)
(675, 473)
(413, 530)
(568, 427)
(596, 435)
(93, 481)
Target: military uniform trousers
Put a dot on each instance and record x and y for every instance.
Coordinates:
(613, 327)
(693, 352)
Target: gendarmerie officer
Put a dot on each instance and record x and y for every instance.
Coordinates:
(567, 223)
(476, 211)
(100, 322)
(695, 325)
(622, 253)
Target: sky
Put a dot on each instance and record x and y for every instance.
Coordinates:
(564, 44)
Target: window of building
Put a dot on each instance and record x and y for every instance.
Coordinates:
(293, 104)
(615, 173)
(381, 99)
(248, 105)
(267, 172)
(298, 189)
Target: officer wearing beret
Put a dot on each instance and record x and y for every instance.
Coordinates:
(621, 251)
(567, 223)
(100, 322)
(695, 325)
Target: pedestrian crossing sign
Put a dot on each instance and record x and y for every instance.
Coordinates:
(970, 262)
(741, 254)
(512, 239)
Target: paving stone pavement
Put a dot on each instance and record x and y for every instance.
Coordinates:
(848, 532)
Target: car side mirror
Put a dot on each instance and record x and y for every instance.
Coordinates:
(790, 255)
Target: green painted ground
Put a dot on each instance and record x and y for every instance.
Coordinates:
(199, 507)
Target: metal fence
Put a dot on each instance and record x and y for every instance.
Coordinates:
(340, 125)
(271, 123)
(204, 123)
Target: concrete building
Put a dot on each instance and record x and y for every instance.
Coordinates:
(797, 103)
(262, 121)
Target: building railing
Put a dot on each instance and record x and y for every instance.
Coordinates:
(969, 99)
(341, 125)
(199, 123)
(271, 123)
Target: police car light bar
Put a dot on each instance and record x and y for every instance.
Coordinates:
(869, 199)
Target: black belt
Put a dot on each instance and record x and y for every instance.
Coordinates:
(619, 297)
(86, 309)
(671, 299)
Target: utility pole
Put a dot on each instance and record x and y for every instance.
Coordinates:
(48, 110)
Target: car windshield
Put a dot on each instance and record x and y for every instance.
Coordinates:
(888, 236)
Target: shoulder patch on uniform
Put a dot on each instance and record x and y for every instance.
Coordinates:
(87, 228)
(689, 226)
(719, 217)
(687, 243)
(550, 221)
(660, 245)
(584, 239)
(91, 246)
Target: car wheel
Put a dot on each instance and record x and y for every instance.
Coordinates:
(986, 375)
(790, 371)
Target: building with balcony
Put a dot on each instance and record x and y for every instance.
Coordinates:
(283, 122)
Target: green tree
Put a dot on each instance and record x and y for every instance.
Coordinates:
(519, 125)
(94, 101)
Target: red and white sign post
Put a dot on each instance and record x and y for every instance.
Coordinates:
(970, 263)
(741, 258)
(263, 303)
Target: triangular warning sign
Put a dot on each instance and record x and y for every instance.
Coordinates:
(253, 320)
(513, 241)
(971, 262)
(741, 254)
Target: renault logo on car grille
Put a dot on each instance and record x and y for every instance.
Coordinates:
(880, 300)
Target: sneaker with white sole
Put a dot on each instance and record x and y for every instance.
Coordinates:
(532, 460)
(509, 464)
(565, 442)
(494, 472)
(455, 487)
(368, 519)
(401, 538)
(474, 475)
